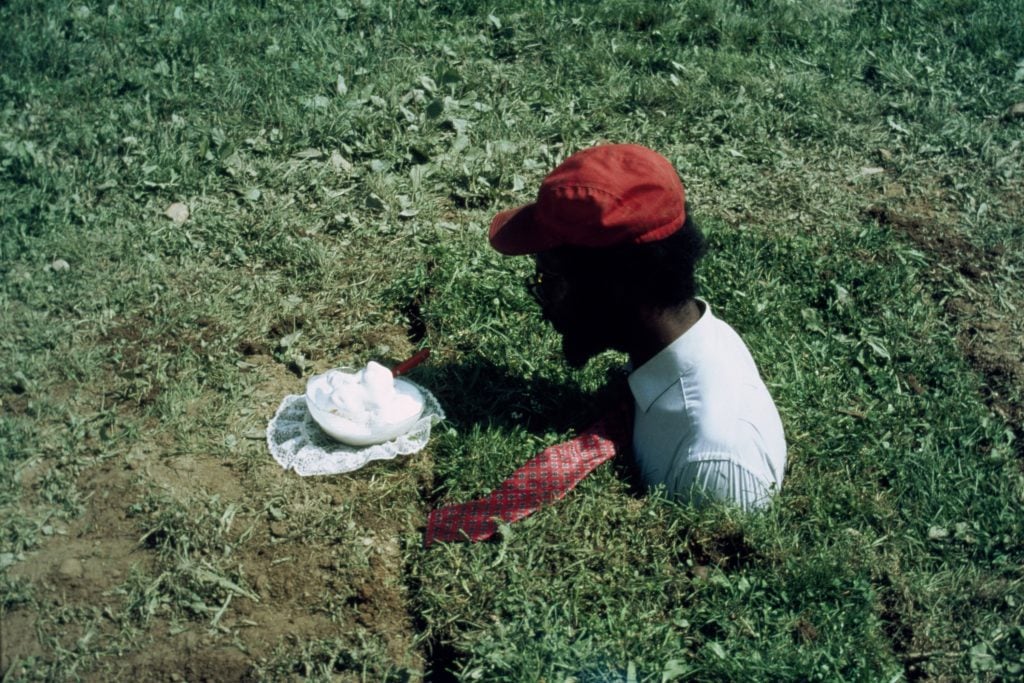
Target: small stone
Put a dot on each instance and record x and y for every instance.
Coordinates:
(71, 568)
(278, 529)
(177, 212)
(1015, 112)
(58, 265)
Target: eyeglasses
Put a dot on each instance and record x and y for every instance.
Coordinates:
(546, 286)
(534, 285)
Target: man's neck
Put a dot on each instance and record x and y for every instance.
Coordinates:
(657, 328)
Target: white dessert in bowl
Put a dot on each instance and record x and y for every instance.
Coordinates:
(363, 407)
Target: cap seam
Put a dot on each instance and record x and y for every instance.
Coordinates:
(590, 187)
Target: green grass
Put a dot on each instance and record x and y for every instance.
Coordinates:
(341, 163)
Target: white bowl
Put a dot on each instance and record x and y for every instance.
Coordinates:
(353, 433)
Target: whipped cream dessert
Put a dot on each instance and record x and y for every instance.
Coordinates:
(363, 407)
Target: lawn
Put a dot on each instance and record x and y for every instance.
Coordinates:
(203, 204)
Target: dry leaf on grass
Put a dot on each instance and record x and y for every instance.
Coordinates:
(177, 212)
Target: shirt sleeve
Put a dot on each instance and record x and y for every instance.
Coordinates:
(721, 480)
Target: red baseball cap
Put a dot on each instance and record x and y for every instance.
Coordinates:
(599, 197)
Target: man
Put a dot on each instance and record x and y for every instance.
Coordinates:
(615, 252)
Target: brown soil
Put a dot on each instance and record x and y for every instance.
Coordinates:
(991, 340)
(309, 588)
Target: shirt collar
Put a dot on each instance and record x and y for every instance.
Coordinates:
(678, 359)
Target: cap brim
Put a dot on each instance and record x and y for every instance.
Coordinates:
(515, 232)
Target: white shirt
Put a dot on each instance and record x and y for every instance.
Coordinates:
(705, 425)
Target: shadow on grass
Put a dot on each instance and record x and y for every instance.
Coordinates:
(479, 393)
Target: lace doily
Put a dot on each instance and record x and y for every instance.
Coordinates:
(297, 442)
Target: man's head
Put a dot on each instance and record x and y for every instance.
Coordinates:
(612, 242)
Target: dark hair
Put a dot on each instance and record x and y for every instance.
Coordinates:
(661, 273)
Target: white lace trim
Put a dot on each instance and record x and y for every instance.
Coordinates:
(297, 442)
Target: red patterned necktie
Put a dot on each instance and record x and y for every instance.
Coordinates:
(547, 477)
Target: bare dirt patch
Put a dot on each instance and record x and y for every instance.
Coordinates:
(991, 339)
(310, 561)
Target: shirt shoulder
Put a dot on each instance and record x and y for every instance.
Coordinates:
(706, 416)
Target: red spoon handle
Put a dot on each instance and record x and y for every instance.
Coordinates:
(414, 360)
